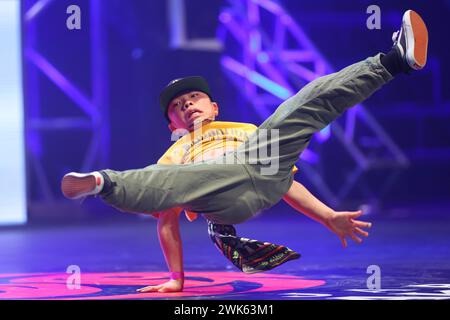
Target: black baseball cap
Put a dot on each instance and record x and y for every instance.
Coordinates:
(180, 86)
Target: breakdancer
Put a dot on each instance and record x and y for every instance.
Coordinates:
(237, 184)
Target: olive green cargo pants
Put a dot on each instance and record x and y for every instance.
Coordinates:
(235, 187)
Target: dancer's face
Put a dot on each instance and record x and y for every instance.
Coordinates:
(192, 107)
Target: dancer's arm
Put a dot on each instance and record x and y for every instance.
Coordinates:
(343, 224)
(170, 241)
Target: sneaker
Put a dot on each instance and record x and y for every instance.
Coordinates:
(78, 185)
(412, 40)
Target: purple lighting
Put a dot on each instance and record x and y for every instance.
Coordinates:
(256, 78)
(62, 82)
(224, 17)
(324, 134)
(263, 57)
(36, 9)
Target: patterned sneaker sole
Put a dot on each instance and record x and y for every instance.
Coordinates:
(76, 187)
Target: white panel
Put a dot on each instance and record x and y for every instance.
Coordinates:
(12, 150)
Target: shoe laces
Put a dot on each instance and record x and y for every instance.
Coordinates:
(395, 36)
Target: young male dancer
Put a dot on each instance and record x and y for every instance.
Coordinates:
(233, 187)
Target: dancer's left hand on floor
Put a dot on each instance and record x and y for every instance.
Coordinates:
(169, 286)
(344, 224)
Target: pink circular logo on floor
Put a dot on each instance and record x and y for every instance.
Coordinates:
(123, 285)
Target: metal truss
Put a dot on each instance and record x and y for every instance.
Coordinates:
(94, 107)
(271, 64)
(178, 38)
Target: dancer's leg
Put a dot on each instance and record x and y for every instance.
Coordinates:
(223, 193)
(310, 110)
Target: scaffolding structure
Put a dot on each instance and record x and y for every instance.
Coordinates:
(94, 106)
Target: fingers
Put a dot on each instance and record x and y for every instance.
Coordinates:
(344, 242)
(159, 288)
(355, 238)
(362, 224)
(142, 290)
(361, 232)
(356, 214)
(149, 289)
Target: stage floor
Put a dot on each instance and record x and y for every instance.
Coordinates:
(116, 258)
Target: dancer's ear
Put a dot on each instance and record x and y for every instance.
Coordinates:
(216, 109)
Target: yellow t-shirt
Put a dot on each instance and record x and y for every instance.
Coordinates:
(207, 142)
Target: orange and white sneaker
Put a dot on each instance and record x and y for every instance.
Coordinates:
(412, 40)
(79, 185)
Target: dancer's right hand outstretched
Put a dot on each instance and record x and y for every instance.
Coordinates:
(344, 224)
